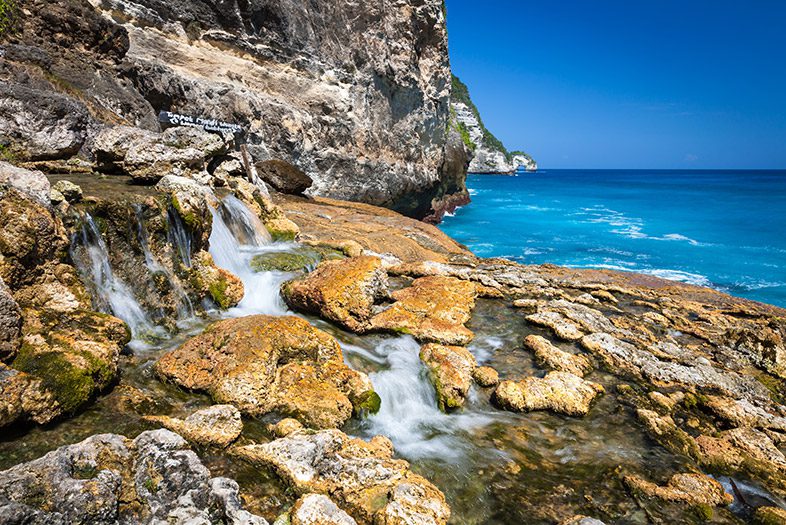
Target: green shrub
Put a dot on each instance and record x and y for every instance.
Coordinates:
(9, 12)
(460, 93)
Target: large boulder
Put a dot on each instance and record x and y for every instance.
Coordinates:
(434, 309)
(108, 479)
(263, 364)
(342, 291)
(361, 477)
(284, 177)
(30, 182)
(560, 392)
(451, 370)
(148, 156)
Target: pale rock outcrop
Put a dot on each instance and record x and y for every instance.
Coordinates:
(218, 425)
(30, 182)
(451, 369)
(560, 392)
(342, 291)
(361, 477)
(549, 356)
(433, 309)
(318, 509)
(262, 364)
(109, 479)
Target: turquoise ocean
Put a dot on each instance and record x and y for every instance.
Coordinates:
(722, 229)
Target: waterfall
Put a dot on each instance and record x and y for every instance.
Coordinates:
(185, 308)
(179, 237)
(236, 237)
(91, 258)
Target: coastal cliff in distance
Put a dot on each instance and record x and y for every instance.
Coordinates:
(489, 154)
(354, 95)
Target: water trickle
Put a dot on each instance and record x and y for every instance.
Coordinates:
(236, 237)
(112, 295)
(179, 237)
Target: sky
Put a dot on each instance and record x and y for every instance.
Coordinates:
(650, 84)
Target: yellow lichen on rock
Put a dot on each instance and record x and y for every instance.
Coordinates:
(222, 287)
(451, 370)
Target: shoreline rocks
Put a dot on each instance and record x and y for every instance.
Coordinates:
(559, 392)
(451, 370)
(551, 357)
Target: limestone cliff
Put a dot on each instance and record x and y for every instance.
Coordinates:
(354, 94)
(489, 153)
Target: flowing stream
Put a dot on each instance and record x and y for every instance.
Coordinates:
(493, 466)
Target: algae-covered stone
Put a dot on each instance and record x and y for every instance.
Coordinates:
(263, 364)
(434, 310)
(291, 261)
(224, 288)
(342, 291)
(361, 477)
(665, 431)
(450, 369)
(560, 392)
(549, 356)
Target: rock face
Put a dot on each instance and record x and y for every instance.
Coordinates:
(433, 309)
(559, 392)
(262, 364)
(361, 477)
(109, 479)
(342, 291)
(348, 91)
(488, 153)
(451, 369)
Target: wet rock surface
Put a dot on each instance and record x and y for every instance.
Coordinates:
(360, 476)
(551, 357)
(218, 425)
(432, 309)
(451, 369)
(262, 364)
(341, 291)
(559, 392)
(108, 478)
(692, 489)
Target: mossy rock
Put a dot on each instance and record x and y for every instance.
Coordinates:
(71, 386)
(370, 403)
(285, 261)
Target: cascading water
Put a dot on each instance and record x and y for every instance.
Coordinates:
(90, 255)
(236, 237)
(179, 237)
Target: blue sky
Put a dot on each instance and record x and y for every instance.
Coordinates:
(628, 84)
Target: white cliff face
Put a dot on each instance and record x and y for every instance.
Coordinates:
(488, 159)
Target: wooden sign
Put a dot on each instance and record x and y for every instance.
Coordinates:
(207, 124)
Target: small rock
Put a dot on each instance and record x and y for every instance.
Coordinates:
(284, 177)
(530, 305)
(450, 369)
(218, 425)
(318, 509)
(224, 288)
(485, 376)
(561, 326)
(692, 489)
(560, 392)
(69, 190)
(549, 356)
(286, 426)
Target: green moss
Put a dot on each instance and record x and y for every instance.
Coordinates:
(190, 219)
(217, 291)
(279, 235)
(369, 403)
(70, 385)
(703, 511)
(9, 15)
(151, 485)
(6, 153)
(284, 261)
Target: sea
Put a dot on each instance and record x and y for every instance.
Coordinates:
(723, 229)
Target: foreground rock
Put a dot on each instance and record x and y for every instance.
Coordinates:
(559, 392)
(433, 310)
(549, 356)
(109, 479)
(341, 291)
(361, 477)
(65, 353)
(691, 489)
(451, 369)
(218, 425)
(262, 364)
(318, 509)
